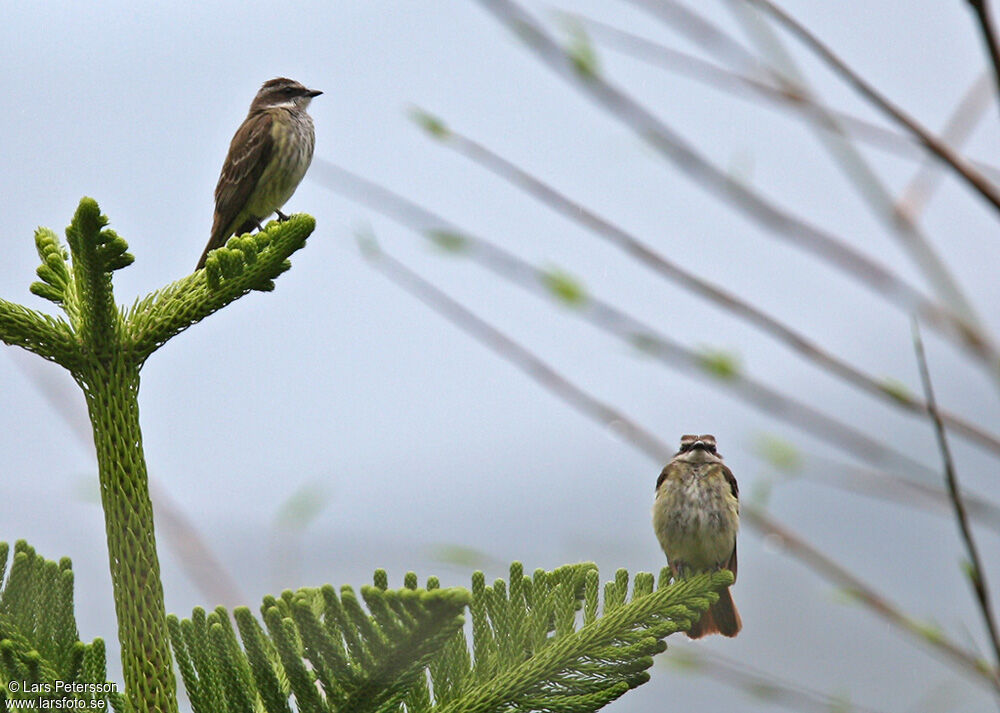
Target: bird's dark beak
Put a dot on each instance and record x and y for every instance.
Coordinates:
(313, 93)
(699, 445)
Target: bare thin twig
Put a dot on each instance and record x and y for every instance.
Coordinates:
(627, 328)
(636, 436)
(862, 176)
(806, 107)
(522, 358)
(824, 565)
(645, 254)
(732, 82)
(982, 11)
(976, 573)
(706, 34)
(192, 553)
(714, 75)
(897, 490)
(782, 223)
(756, 682)
(781, 68)
(957, 129)
(944, 152)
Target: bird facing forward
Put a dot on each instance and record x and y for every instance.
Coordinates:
(696, 516)
(267, 158)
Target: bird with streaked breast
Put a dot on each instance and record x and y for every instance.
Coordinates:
(696, 516)
(267, 159)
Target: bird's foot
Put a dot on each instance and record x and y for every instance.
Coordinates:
(281, 216)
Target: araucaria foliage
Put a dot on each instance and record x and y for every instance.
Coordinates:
(538, 643)
(548, 642)
(39, 643)
(104, 346)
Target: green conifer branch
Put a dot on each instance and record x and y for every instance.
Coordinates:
(540, 643)
(48, 337)
(111, 386)
(247, 263)
(104, 349)
(536, 658)
(96, 253)
(196, 660)
(410, 644)
(40, 650)
(54, 271)
(325, 651)
(272, 684)
(109, 376)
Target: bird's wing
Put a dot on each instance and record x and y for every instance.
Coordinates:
(249, 153)
(663, 475)
(731, 564)
(731, 479)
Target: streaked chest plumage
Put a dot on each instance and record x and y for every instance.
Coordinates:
(696, 515)
(294, 138)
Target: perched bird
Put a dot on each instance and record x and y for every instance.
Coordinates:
(696, 516)
(267, 158)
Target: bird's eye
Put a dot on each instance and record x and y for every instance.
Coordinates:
(685, 447)
(711, 449)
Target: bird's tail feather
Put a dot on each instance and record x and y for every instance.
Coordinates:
(720, 618)
(219, 238)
